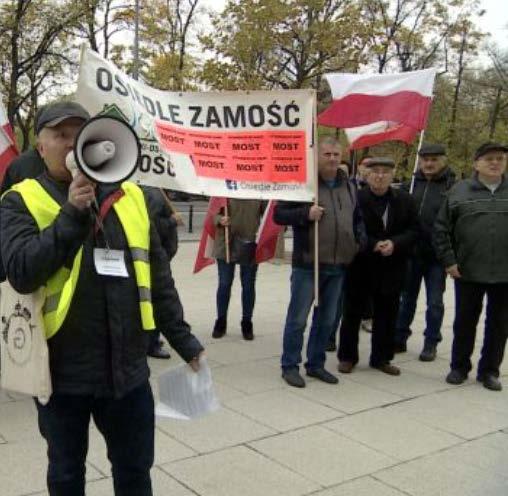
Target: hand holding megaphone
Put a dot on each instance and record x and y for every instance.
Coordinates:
(81, 191)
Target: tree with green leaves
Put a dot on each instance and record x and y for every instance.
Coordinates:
(33, 55)
(282, 44)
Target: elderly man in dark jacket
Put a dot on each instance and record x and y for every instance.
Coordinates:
(340, 235)
(97, 331)
(471, 239)
(391, 223)
(431, 182)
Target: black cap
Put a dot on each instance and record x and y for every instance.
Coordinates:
(489, 147)
(432, 149)
(53, 114)
(384, 161)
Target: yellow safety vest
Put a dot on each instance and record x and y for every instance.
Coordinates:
(132, 212)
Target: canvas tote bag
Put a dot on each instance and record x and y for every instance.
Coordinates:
(23, 346)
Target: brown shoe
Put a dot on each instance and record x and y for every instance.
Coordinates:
(345, 367)
(389, 369)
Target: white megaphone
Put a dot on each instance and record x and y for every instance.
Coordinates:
(106, 150)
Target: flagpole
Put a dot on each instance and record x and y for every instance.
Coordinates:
(411, 188)
(226, 232)
(316, 198)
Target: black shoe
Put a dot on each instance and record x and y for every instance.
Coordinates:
(247, 330)
(322, 375)
(428, 353)
(456, 377)
(293, 378)
(491, 382)
(219, 329)
(331, 346)
(158, 352)
(400, 348)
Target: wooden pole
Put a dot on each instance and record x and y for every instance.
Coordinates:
(316, 198)
(226, 233)
(411, 188)
(172, 208)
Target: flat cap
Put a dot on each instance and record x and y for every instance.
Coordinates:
(55, 113)
(489, 147)
(384, 161)
(432, 149)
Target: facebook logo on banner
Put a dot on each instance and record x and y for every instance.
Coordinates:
(230, 184)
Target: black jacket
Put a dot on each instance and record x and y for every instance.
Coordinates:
(429, 195)
(471, 230)
(101, 347)
(28, 165)
(386, 274)
(165, 224)
(341, 230)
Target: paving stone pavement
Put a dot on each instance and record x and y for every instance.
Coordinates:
(371, 435)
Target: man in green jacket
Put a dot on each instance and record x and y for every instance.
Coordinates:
(471, 240)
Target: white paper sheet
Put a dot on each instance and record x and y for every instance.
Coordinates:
(185, 394)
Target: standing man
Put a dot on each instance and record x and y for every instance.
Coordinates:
(242, 222)
(391, 223)
(340, 234)
(97, 325)
(471, 238)
(166, 224)
(431, 183)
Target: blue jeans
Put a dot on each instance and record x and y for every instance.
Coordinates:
(323, 318)
(248, 280)
(127, 425)
(435, 282)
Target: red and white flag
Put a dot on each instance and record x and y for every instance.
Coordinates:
(266, 236)
(8, 150)
(379, 107)
(377, 132)
(206, 243)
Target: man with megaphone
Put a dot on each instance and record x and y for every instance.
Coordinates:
(88, 241)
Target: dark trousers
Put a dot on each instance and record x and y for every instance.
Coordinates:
(127, 425)
(248, 280)
(468, 307)
(385, 307)
(434, 276)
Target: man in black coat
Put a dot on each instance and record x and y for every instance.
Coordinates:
(431, 183)
(471, 239)
(391, 222)
(98, 351)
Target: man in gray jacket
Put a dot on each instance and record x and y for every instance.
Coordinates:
(471, 239)
(340, 233)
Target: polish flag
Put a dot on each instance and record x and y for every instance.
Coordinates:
(377, 132)
(380, 107)
(205, 249)
(267, 235)
(8, 150)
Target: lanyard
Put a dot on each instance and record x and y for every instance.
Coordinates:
(105, 208)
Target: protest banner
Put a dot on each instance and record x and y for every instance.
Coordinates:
(244, 144)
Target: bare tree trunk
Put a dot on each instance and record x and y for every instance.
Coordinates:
(456, 93)
(495, 113)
